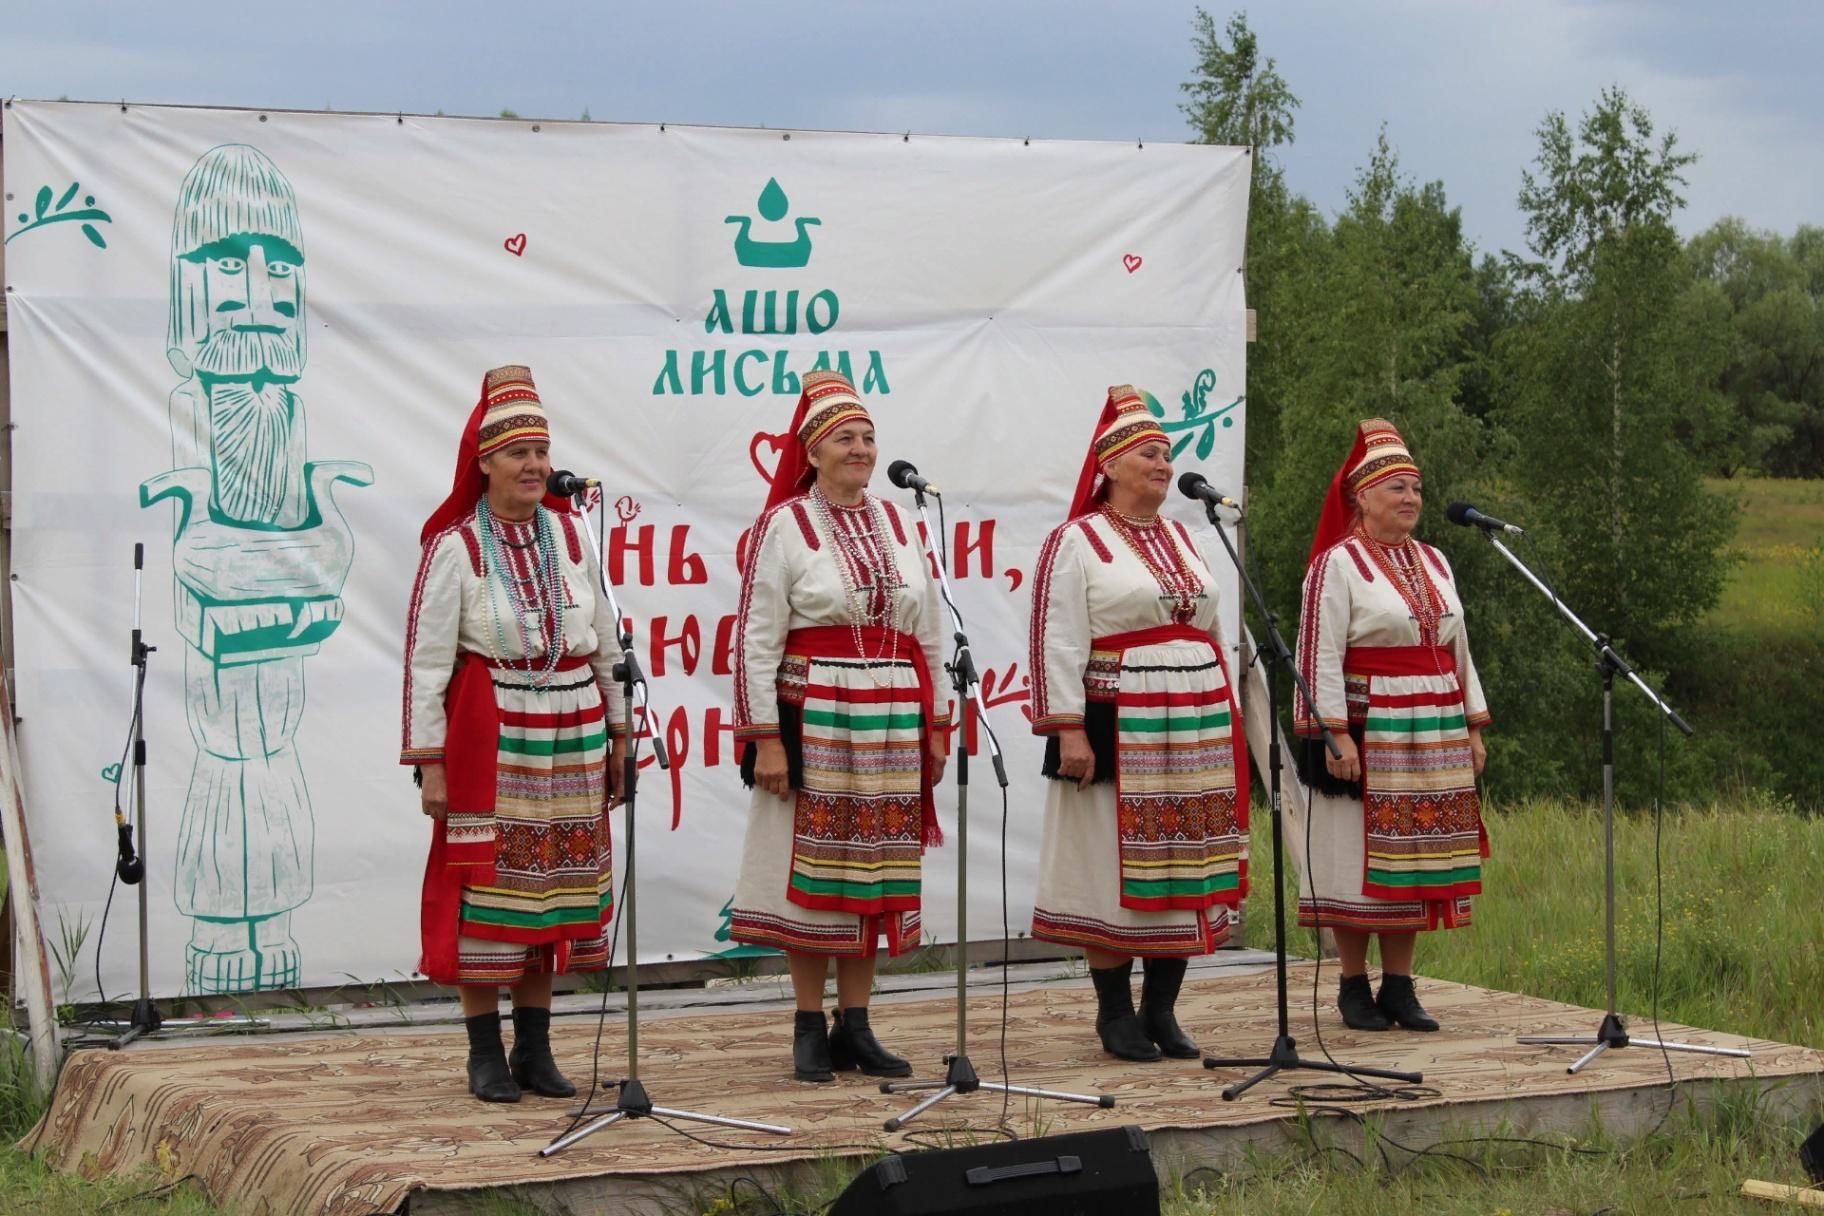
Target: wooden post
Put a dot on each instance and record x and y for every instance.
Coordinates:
(31, 966)
(1805, 1197)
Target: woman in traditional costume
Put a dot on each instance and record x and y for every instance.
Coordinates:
(513, 719)
(838, 640)
(1146, 818)
(1396, 839)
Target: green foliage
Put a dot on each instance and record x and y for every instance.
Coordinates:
(1765, 295)
(1585, 388)
(1235, 97)
(1602, 369)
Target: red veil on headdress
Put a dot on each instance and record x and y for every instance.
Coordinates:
(1377, 454)
(1124, 425)
(502, 389)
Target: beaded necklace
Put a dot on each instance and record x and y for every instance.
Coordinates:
(537, 601)
(1405, 569)
(869, 580)
(1178, 584)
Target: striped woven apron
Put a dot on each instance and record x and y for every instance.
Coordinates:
(1181, 777)
(864, 810)
(1421, 812)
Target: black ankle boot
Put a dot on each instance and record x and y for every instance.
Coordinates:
(1158, 997)
(811, 1046)
(489, 1078)
(1356, 1000)
(853, 1045)
(1116, 1022)
(1400, 1003)
(531, 1062)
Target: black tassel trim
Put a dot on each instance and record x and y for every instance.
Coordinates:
(1099, 726)
(1309, 754)
(791, 734)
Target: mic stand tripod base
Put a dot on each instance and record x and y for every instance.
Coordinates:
(1284, 1057)
(139, 1025)
(960, 1078)
(634, 1104)
(1614, 1033)
(959, 1074)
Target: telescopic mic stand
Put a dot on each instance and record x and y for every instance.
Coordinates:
(1283, 1056)
(960, 1075)
(632, 1102)
(132, 869)
(130, 864)
(1613, 1032)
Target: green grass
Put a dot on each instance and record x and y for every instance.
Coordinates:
(1775, 586)
(1744, 924)
(1744, 953)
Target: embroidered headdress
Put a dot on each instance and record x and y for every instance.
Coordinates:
(508, 412)
(1125, 424)
(827, 401)
(1378, 454)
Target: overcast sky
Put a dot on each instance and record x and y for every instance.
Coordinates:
(1461, 85)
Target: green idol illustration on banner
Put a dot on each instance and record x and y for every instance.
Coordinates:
(259, 557)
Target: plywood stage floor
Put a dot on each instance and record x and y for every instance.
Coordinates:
(376, 1120)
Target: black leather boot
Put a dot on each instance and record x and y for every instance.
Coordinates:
(489, 1078)
(1356, 1001)
(1116, 1022)
(853, 1045)
(1158, 997)
(1399, 1001)
(811, 1046)
(531, 1062)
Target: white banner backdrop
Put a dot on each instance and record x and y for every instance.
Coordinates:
(263, 331)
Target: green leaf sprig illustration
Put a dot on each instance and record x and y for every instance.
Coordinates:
(88, 215)
(1200, 416)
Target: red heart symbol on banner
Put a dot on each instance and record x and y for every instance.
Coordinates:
(775, 442)
(515, 244)
(1131, 261)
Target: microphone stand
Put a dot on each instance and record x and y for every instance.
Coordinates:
(960, 1075)
(1613, 1032)
(145, 1018)
(1283, 1056)
(633, 1102)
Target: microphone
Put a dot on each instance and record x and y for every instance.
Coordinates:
(566, 484)
(1466, 515)
(127, 864)
(904, 474)
(1196, 485)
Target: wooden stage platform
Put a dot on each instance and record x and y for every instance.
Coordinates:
(378, 1119)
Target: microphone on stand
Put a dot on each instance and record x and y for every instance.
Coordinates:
(1466, 515)
(566, 484)
(127, 862)
(904, 474)
(1196, 485)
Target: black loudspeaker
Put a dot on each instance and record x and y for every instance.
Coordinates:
(1811, 1155)
(1105, 1173)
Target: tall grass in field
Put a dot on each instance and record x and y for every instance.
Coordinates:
(1773, 589)
(1743, 941)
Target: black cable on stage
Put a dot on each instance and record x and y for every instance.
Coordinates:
(1357, 1088)
(760, 1148)
(1659, 900)
(1659, 931)
(101, 934)
(941, 544)
(1006, 965)
(614, 936)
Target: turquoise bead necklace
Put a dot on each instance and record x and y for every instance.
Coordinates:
(543, 601)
